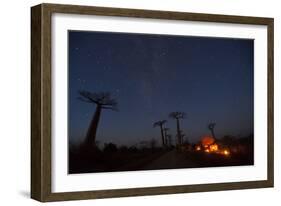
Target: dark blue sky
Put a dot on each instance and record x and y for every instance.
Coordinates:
(210, 79)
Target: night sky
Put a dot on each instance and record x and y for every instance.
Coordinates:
(210, 79)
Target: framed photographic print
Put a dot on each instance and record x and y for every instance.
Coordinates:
(132, 102)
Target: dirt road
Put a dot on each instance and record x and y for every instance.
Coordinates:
(170, 160)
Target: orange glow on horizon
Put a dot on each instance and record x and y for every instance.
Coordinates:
(207, 141)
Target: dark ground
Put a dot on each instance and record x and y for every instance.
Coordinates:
(151, 160)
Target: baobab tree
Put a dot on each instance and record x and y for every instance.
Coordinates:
(182, 136)
(211, 127)
(102, 100)
(160, 124)
(165, 135)
(177, 116)
(169, 138)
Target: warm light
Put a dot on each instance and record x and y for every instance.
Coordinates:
(214, 147)
(207, 150)
(225, 152)
(207, 141)
(198, 148)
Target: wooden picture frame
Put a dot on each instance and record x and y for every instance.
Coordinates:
(41, 96)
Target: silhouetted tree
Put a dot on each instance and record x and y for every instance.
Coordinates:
(143, 144)
(165, 135)
(152, 143)
(133, 149)
(110, 147)
(169, 138)
(102, 100)
(160, 124)
(211, 127)
(182, 135)
(123, 148)
(177, 116)
(228, 140)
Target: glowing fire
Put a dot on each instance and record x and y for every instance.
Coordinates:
(209, 145)
(207, 141)
(214, 148)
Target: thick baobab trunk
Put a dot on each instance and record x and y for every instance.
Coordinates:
(213, 134)
(165, 137)
(170, 140)
(91, 133)
(178, 132)
(162, 135)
